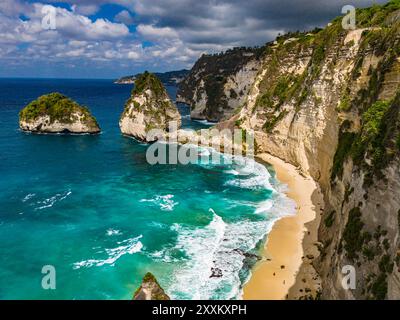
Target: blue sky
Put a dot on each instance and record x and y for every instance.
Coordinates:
(112, 38)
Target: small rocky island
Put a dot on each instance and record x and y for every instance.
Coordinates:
(149, 107)
(170, 78)
(56, 113)
(150, 289)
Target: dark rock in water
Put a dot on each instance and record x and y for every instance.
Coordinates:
(150, 290)
(216, 273)
(249, 258)
(247, 254)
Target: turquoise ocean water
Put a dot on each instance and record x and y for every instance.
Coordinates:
(92, 207)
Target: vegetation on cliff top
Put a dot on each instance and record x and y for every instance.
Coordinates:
(148, 81)
(57, 107)
(376, 15)
(150, 98)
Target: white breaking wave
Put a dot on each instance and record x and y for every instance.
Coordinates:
(48, 203)
(215, 256)
(249, 174)
(28, 197)
(128, 246)
(208, 123)
(166, 203)
(200, 246)
(264, 206)
(217, 253)
(113, 232)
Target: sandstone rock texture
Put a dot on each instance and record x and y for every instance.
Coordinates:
(150, 290)
(149, 108)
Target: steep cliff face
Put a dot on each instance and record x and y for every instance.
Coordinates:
(148, 108)
(56, 113)
(217, 85)
(328, 102)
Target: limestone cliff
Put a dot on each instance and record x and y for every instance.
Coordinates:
(56, 113)
(328, 101)
(150, 289)
(148, 108)
(218, 84)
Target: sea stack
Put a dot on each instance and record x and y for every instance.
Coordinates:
(56, 113)
(150, 289)
(149, 107)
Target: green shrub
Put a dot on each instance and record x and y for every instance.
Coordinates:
(265, 100)
(345, 104)
(372, 139)
(270, 124)
(282, 88)
(346, 140)
(330, 219)
(369, 253)
(372, 119)
(238, 122)
(353, 236)
(147, 81)
(386, 265)
(379, 287)
(376, 15)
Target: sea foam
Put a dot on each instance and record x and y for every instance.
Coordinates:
(217, 254)
(166, 202)
(49, 202)
(128, 246)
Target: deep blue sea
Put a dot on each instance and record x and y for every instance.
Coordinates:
(92, 207)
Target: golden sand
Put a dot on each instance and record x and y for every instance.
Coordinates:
(284, 249)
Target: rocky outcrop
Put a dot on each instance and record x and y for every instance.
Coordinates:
(218, 84)
(149, 108)
(56, 113)
(150, 289)
(328, 102)
(171, 78)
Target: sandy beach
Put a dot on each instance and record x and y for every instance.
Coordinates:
(285, 272)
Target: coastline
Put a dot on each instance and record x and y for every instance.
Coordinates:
(286, 270)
